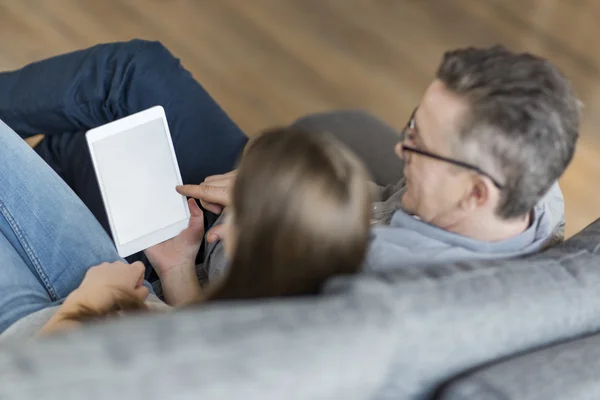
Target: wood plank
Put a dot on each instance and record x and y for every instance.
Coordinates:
(270, 61)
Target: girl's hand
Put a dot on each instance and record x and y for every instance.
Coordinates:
(104, 283)
(181, 250)
(99, 292)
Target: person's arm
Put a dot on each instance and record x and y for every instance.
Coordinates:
(60, 321)
(174, 261)
(181, 286)
(103, 288)
(63, 318)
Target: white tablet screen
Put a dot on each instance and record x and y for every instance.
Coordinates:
(138, 176)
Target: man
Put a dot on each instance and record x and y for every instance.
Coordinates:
(483, 149)
(483, 152)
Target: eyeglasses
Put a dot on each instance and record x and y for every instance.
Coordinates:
(406, 133)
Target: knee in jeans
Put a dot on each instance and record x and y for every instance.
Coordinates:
(152, 53)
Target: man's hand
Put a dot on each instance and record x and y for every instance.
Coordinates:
(181, 250)
(214, 195)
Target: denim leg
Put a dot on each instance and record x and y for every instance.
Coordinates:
(64, 96)
(21, 291)
(48, 237)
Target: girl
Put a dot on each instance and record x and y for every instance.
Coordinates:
(299, 215)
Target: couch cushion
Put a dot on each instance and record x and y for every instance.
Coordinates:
(566, 371)
(371, 139)
(393, 336)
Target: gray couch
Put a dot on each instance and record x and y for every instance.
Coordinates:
(513, 329)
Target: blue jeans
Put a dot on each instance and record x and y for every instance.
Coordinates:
(49, 237)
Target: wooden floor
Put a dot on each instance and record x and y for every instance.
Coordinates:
(270, 61)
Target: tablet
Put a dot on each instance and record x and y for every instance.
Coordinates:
(137, 173)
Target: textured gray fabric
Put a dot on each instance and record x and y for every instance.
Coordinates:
(566, 371)
(409, 242)
(215, 261)
(259, 352)
(27, 328)
(392, 336)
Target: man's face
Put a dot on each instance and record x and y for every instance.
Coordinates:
(434, 189)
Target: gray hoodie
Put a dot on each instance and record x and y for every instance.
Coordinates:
(401, 240)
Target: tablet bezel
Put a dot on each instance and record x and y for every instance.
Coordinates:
(114, 128)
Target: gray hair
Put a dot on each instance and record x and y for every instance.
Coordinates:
(522, 124)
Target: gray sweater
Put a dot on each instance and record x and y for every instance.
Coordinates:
(400, 240)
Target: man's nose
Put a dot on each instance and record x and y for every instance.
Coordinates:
(399, 150)
(401, 153)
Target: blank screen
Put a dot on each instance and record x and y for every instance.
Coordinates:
(138, 175)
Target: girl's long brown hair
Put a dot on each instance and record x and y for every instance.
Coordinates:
(301, 211)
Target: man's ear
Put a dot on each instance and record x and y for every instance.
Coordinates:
(476, 196)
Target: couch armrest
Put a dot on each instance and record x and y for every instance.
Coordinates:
(569, 370)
